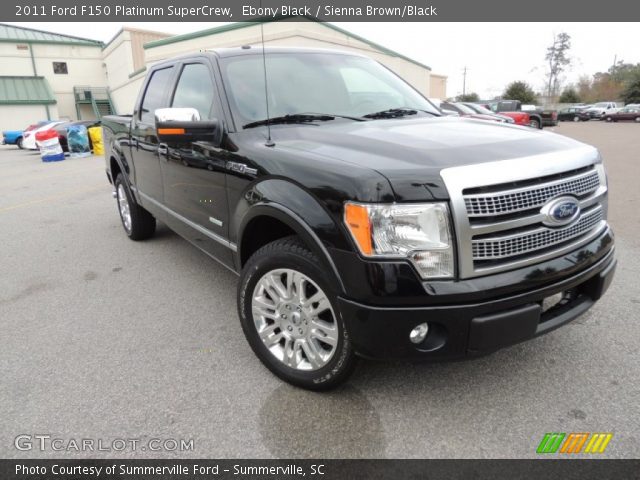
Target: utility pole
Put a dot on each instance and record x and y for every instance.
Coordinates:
(464, 81)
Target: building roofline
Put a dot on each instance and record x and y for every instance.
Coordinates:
(258, 21)
(73, 40)
(133, 29)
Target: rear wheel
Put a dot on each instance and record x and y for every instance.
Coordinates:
(576, 119)
(138, 224)
(637, 119)
(289, 315)
(19, 143)
(608, 119)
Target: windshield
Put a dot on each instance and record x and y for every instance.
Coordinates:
(332, 84)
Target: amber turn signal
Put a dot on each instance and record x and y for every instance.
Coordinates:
(171, 131)
(357, 220)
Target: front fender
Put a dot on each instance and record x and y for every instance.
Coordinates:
(299, 210)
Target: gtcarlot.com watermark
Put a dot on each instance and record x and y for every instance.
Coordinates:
(45, 442)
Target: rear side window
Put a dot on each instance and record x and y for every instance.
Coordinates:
(195, 90)
(154, 95)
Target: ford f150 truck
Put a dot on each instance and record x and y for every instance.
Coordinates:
(361, 223)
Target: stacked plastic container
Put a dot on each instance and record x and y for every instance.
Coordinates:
(50, 149)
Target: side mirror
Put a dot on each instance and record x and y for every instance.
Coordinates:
(183, 125)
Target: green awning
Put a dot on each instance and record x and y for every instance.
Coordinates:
(15, 34)
(25, 91)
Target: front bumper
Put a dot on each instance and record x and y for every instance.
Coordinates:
(460, 329)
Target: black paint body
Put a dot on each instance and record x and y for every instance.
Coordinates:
(303, 180)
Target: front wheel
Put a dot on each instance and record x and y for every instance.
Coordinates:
(19, 143)
(608, 119)
(289, 315)
(534, 123)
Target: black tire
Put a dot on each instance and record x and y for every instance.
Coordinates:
(608, 119)
(143, 224)
(535, 123)
(19, 143)
(291, 253)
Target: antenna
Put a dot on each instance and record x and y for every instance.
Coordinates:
(269, 142)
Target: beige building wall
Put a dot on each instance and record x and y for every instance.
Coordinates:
(15, 117)
(124, 60)
(84, 66)
(438, 87)
(15, 61)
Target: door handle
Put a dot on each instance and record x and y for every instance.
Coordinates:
(163, 149)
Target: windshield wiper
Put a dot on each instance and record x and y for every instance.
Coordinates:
(292, 118)
(395, 113)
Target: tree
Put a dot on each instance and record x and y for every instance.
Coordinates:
(468, 97)
(558, 61)
(520, 91)
(631, 93)
(569, 95)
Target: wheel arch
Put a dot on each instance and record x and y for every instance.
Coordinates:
(279, 221)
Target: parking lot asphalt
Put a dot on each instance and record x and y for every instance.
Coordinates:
(105, 338)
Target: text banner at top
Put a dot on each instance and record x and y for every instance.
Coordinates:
(322, 10)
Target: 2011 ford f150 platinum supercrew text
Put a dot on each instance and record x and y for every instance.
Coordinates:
(360, 221)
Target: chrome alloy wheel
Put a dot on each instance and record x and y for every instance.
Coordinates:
(294, 319)
(123, 205)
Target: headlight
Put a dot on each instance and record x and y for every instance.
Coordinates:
(418, 232)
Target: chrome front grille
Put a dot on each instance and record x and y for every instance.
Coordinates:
(516, 200)
(498, 214)
(496, 248)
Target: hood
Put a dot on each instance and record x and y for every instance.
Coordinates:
(410, 153)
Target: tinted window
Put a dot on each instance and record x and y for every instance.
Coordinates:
(195, 89)
(154, 95)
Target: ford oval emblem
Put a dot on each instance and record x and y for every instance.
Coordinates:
(560, 211)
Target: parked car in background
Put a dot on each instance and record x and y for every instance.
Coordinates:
(600, 109)
(61, 131)
(29, 139)
(549, 116)
(628, 113)
(15, 137)
(519, 117)
(464, 111)
(448, 112)
(573, 114)
(485, 111)
(12, 137)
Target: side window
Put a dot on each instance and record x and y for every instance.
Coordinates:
(154, 94)
(195, 89)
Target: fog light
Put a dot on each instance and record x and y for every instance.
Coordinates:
(419, 333)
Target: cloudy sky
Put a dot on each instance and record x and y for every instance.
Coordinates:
(494, 53)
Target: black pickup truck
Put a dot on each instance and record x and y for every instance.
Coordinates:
(361, 223)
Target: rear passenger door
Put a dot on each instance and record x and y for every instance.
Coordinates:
(194, 175)
(144, 140)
